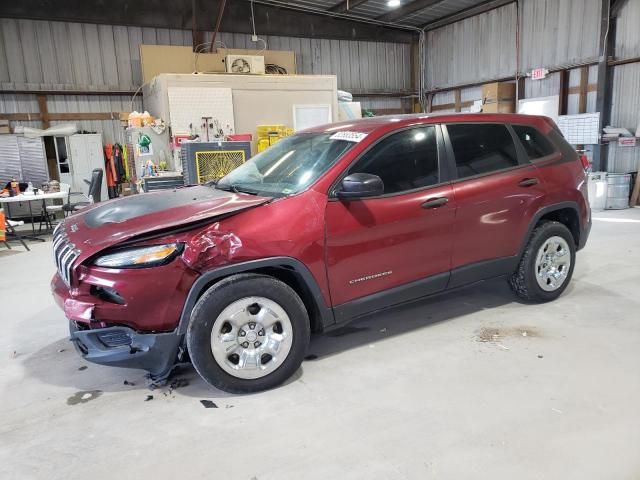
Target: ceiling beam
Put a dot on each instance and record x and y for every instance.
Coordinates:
(407, 9)
(467, 13)
(347, 5)
(271, 18)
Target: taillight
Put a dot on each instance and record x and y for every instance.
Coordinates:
(585, 162)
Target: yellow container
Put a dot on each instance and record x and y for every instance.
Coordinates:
(270, 134)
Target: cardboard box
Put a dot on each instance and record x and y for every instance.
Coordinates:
(498, 91)
(498, 107)
(158, 59)
(4, 126)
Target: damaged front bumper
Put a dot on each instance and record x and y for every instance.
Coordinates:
(119, 346)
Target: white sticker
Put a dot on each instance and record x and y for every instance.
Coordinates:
(348, 136)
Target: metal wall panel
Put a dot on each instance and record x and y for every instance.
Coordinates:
(625, 113)
(473, 50)
(556, 33)
(627, 31)
(73, 56)
(55, 55)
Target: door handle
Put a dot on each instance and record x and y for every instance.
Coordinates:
(435, 202)
(528, 182)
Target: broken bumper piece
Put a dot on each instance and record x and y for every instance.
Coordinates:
(123, 347)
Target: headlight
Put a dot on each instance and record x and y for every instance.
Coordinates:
(140, 257)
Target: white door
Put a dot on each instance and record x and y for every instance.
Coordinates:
(63, 161)
(96, 160)
(87, 154)
(78, 155)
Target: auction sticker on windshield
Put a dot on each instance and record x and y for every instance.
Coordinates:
(348, 136)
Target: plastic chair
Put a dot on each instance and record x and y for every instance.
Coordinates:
(48, 215)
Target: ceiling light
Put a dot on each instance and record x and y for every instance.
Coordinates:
(393, 3)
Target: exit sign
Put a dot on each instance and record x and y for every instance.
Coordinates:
(539, 73)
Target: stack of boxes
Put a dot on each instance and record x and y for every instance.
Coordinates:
(498, 97)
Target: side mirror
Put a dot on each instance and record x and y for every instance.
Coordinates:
(359, 185)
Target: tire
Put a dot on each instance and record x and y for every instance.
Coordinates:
(531, 281)
(243, 308)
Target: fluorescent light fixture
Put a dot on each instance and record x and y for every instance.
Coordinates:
(393, 3)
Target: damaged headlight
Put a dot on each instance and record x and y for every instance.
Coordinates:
(140, 257)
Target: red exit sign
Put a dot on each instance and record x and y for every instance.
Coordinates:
(539, 73)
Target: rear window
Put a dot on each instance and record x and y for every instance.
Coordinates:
(481, 148)
(534, 142)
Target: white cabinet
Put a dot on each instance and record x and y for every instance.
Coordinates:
(77, 156)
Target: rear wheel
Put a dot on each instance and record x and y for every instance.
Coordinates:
(248, 333)
(546, 266)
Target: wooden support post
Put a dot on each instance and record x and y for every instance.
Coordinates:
(44, 111)
(564, 92)
(584, 84)
(458, 100)
(636, 192)
(429, 106)
(521, 86)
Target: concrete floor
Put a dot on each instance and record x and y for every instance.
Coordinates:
(450, 388)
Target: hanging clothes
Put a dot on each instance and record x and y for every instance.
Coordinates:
(119, 163)
(125, 160)
(111, 172)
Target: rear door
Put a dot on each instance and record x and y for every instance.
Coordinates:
(496, 189)
(403, 236)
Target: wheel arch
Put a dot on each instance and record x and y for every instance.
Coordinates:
(286, 269)
(567, 213)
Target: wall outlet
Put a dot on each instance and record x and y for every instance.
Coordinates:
(254, 38)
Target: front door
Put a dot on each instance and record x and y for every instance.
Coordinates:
(400, 240)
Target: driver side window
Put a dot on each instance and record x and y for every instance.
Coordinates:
(406, 160)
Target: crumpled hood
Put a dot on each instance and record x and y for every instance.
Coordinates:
(106, 224)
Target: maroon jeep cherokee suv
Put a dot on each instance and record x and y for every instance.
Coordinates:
(325, 226)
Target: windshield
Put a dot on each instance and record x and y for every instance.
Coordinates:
(287, 167)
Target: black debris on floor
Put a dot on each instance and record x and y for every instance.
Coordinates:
(149, 397)
(83, 367)
(127, 382)
(208, 404)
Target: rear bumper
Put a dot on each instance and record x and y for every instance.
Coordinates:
(584, 235)
(123, 347)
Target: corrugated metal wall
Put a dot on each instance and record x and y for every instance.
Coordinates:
(627, 31)
(556, 33)
(73, 56)
(625, 111)
(472, 50)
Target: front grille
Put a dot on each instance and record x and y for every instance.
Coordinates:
(64, 254)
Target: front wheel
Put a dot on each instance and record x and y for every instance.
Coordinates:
(248, 333)
(546, 266)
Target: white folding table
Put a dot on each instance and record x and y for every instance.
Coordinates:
(38, 197)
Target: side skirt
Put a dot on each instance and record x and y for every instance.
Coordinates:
(430, 286)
